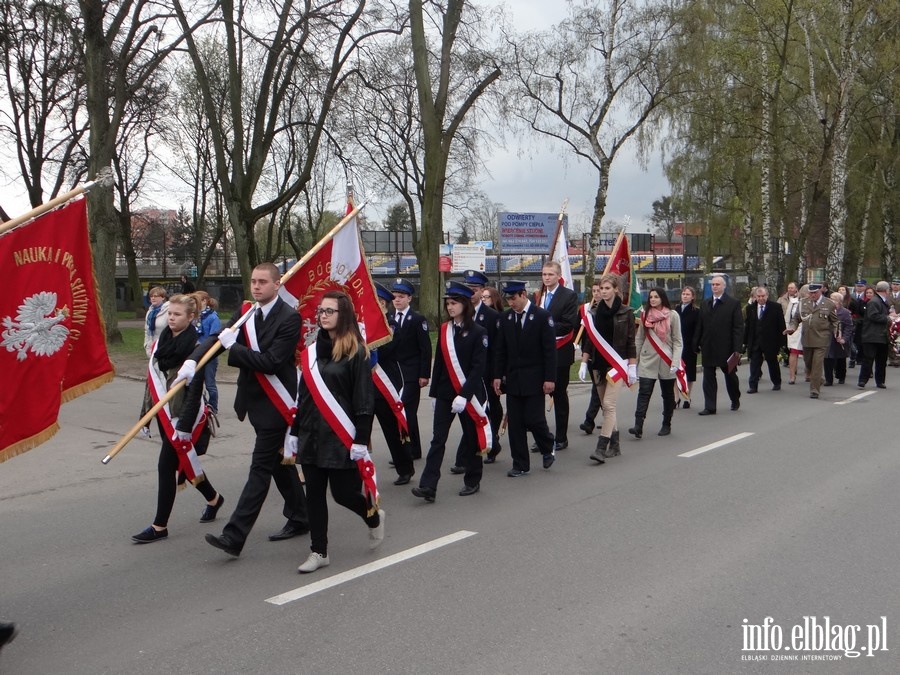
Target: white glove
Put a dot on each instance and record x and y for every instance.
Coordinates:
(583, 371)
(358, 451)
(433, 404)
(632, 374)
(290, 445)
(458, 405)
(673, 369)
(227, 338)
(186, 372)
(183, 436)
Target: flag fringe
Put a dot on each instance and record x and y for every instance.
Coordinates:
(74, 392)
(27, 444)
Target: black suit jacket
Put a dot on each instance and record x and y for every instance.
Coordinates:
(413, 351)
(564, 310)
(766, 334)
(486, 317)
(690, 316)
(471, 349)
(526, 358)
(720, 331)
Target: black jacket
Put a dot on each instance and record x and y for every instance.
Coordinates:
(413, 350)
(564, 310)
(720, 331)
(471, 350)
(525, 358)
(766, 335)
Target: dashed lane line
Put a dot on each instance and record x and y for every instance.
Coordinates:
(717, 444)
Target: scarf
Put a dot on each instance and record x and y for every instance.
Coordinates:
(658, 320)
(604, 318)
(151, 319)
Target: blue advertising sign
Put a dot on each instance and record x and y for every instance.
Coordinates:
(528, 232)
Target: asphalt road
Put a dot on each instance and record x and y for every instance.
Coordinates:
(651, 563)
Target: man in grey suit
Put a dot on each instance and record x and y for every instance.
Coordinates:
(719, 337)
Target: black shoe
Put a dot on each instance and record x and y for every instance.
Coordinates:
(636, 431)
(813, 394)
(752, 390)
(457, 470)
(289, 531)
(852, 364)
(861, 385)
(549, 458)
(150, 535)
(490, 459)
(735, 405)
(706, 411)
(403, 479)
(469, 490)
(686, 405)
(665, 430)
(840, 382)
(223, 544)
(587, 427)
(515, 473)
(209, 513)
(828, 384)
(560, 445)
(777, 387)
(8, 633)
(881, 386)
(428, 494)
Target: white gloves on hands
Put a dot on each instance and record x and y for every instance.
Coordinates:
(182, 436)
(458, 405)
(227, 338)
(673, 369)
(186, 372)
(583, 371)
(632, 374)
(358, 451)
(433, 404)
(290, 445)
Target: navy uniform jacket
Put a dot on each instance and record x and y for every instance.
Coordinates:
(387, 357)
(564, 310)
(486, 317)
(413, 351)
(526, 357)
(471, 350)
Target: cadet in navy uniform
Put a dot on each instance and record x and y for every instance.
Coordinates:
(386, 358)
(414, 356)
(525, 368)
(470, 342)
(486, 317)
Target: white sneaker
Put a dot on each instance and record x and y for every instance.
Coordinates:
(376, 534)
(314, 562)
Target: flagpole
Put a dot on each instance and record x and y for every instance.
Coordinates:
(104, 177)
(211, 352)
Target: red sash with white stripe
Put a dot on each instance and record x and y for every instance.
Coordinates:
(563, 340)
(662, 350)
(474, 407)
(392, 396)
(275, 390)
(188, 461)
(618, 366)
(338, 419)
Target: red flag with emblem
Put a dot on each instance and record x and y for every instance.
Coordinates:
(52, 347)
(620, 263)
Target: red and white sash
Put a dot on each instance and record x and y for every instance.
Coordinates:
(339, 421)
(275, 390)
(392, 396)
(188, 461)
(665, 354)
(618, 366)
(563, 340)
(457, 378)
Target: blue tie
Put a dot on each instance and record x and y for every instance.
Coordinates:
(547, 300)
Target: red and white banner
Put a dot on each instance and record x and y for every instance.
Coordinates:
(474, 407)
(620, 263)
(560, 254)
(392, 396)
(618, 366)
(665, 354)
(52, 346)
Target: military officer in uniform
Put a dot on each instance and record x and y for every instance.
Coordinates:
(819, 318)
(413, 353)
(525, 368)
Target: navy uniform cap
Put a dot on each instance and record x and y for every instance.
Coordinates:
(815, 287)
(383, 292)
(475, 278)
(402, 286)
(861, 282)
(458, 288)
(511, 287)
(895, 281)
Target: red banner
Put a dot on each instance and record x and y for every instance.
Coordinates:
(52, 347)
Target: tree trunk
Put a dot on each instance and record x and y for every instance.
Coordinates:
(597, 222)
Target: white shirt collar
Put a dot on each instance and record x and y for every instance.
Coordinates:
(268, 307)
(478, 306)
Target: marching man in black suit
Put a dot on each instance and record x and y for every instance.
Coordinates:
(525, 367)
(719, 337)
(764, 337)
(264, 350)
(413, 353)
(562, 303)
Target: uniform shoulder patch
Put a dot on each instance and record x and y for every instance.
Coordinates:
(425, 326)
(550, 321)
(484, 341)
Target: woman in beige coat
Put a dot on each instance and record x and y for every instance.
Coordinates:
(659, 330)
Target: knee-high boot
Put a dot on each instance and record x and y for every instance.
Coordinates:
(643, 401)
(668, 392)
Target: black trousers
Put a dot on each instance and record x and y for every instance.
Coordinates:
(265, 465)
(526, 413)
(874, 361)
(495, 415)
(412, 392)
(167, 469)
(346, 488)
(400, 451)
(593, 409)
(561, 404)
(471, 460)
(711, 386)
(835, 368)
(756, 360)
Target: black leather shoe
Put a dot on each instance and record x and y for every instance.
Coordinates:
(549, 458)
(289, 531)
(752, 391)
(777, 387)
(561, 445)
(686, 405)
(735, 405)
(705, 411)
(490, 459)
(813, 395)
(881, 386)
(469, 490)
(587, 427)
(209, 513)
(150, 535)
(457, 470)
(516, 473)
(404, 479)
(223, 544)
(8, 633)
(828, 384)
(428, 494)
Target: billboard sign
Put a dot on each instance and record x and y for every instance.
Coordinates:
(528, 232)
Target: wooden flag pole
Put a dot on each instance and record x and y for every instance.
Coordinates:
(104, 177)
(211, 352)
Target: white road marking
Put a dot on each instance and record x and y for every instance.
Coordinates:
(855, 398)
(368, 568)
(717, 444)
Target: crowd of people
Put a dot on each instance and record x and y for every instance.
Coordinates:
(500, 353)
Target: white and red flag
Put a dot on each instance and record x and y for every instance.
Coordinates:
(52, 347)
(560, 253)
(620, 263)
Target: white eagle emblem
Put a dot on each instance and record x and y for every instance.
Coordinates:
(37, 327)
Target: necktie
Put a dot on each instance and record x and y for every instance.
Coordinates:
(760, 311)
(519, 316)
(399, 318)
(259, 319)
(547, 300)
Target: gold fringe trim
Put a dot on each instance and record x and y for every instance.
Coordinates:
(79, 389)
(289, 461)
(198, 479)
(181, 486)
(26, 444)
